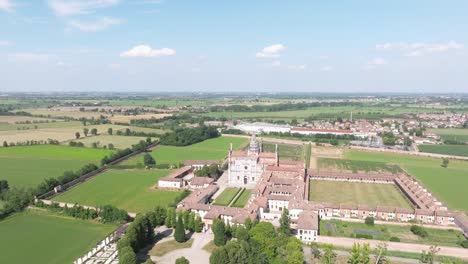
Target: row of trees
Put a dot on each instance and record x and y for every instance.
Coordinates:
(140, 232)
(188, 136)
(106, 214)
(31, 143)
(279, 107)
(140, 146)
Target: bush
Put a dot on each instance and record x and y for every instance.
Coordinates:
(366, 236)
(182, 260)
(419, 231)
(369, 220)
(464, 243)
(395, 239)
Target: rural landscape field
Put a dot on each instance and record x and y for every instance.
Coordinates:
(233, 132)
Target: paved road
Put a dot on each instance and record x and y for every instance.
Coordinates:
(395, 246)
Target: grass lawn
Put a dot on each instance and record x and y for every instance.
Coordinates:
(292, 152)
(43, 238)
(447, 184)
(226, 196)
(357, 165)
(161, 249)
(127, 189)
(457, 150)
(457, 134)
(28, 165)
(242, 199)
(211, 149)
(120, 142)
(210, 247)
(440, 237)
(355, 193)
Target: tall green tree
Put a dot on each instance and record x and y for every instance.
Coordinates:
(77, 136)
(329, 255)
(94, 131)
(285, 223)
(179, 233)
(110, 131)
(148, 160)
(219, 232)
(85, 131)
(182, 260)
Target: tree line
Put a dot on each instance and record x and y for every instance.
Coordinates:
(188, 136)
(279, 107)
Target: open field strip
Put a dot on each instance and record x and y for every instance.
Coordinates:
(211, 149)
(36, 126)
(55, 113)
(158, 103)
(356, 193)
(457, 134)
(44, 238)
(119, 142)
(26, 166)
(131, 190)
(447, 184)
(357, 165)
(128, 118)
(59, 133)
(456, 150)
(292, 152)
(440, 237)
(242, 199)
(225, 198)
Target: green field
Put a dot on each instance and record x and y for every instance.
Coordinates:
(26, 166)
(242, 199)
(438, 237)
(42, 238)
(357, 165)
(368, 112)
(226, 196)
(120, 142)
(357, 193)
(211, 149)
(456, 150)
(292, 152)
(456, 134)
(127, 189)
(447, 184)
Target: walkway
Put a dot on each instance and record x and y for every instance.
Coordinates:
(394, 246)
(195, 254)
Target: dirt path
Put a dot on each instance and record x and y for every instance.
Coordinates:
(394, 246)
(195, 254)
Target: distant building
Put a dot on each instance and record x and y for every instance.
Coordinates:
(262, 128)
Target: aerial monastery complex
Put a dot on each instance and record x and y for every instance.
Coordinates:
(277, 184)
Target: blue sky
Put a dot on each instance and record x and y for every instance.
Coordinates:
(233, 46)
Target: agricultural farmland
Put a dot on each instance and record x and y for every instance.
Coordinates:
(211, 149)
(456, 150)
(26, 166)
(44, 112)
(357, 193)
(132, 190)
(47, 238)
(439, 237)
(61, 134)
(456, 134)
(447, 184)
(292, 152)
(119, 142)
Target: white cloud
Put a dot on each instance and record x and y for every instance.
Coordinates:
(417, 49)
(100, 24)
(298, 67)
(145, 51)
(30, 57)
(326, 68)
(273, 51)
(4, 43)
(377, 62)
(276, 63)
(6, 5)
(78, 7)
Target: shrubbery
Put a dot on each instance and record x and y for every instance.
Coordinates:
(395, 239)
(188, 136)
(369, 220)
(419, 231)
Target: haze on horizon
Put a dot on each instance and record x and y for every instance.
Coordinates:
(241, 46)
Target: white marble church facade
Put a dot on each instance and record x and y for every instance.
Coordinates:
(245, 169)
